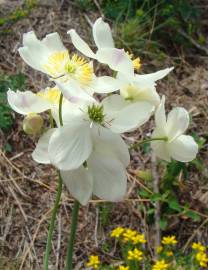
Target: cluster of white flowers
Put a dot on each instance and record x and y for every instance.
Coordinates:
(86, 146)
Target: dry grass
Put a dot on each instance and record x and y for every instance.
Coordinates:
(27, 190)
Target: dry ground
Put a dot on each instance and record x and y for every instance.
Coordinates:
(27, 190)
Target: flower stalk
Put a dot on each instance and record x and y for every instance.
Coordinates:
(137, 144)
(57, 200)
(70, 247)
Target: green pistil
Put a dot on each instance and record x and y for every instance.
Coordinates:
(70, 68)
(96, 114)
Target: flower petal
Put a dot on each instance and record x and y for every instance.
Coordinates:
(141, 92)
(106, 84)
(160, 117)
(109, 177)
(26, 102)
(73, 92)
(70, 145)
(184, 148)
(79, 182)
(34, 53)
(102, 34)
(53, 42)
(160, 147)
(154, 76)
(177, 122)
(80, 44)
(129, 116)
(106, 141)
(40, 154)
(116, 59)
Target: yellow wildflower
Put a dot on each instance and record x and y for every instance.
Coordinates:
(159, 249)
(169, 240)
(160, 265)
(135, 255)
(198, 246)
(128, 235)
(202, 259)
(93, 262)
(138, 239)
(117, 232)
(121, 267)
(169, 253)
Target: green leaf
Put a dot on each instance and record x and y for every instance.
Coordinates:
(173, 204)
(163, 223)
(193, 215)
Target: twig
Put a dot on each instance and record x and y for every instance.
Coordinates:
(157, 203)
(193, 234)
(196, 44)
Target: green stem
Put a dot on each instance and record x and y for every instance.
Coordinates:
(70, 246)
(58, 194)
(137, 144)
(52, 223)
(60, 110)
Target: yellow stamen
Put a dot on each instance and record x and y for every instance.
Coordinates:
(50, 94)
(61, 65)
(136, 62)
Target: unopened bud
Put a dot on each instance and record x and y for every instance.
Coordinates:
(32, 124)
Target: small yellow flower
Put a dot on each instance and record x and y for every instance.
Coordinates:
(135, 255)
(128, 235)
(198, 246)
(202, 259)
(122, 267)
(93, 262)
(169, 240)
(160, 265)
(159, 249)
(169, 253)
(138, 239)
(117, 232)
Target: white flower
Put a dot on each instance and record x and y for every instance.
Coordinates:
(141, 87)
(51, 57)
(116, 59)
(177, 146)
(105, 175)
(73, 143)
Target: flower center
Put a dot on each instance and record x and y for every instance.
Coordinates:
(136, 61)
(60, 65)
(50, 94)
(95, 113)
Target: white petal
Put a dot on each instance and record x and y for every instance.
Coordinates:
(26, 102)
(53, 42)
(40, 154)
(70, 145)
(79, 183)
(141, 92)
(160, 147)
(160, 117)
(177, 122)
(73, 92)
(80, 44)
(34, 53)
(102, 34)
(116, 59)
(106, 141)
(109, 177)
(154, 76)
(127, 117)
(106, 84)
(184, 148)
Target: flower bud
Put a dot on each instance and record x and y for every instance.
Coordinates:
(32, 124)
